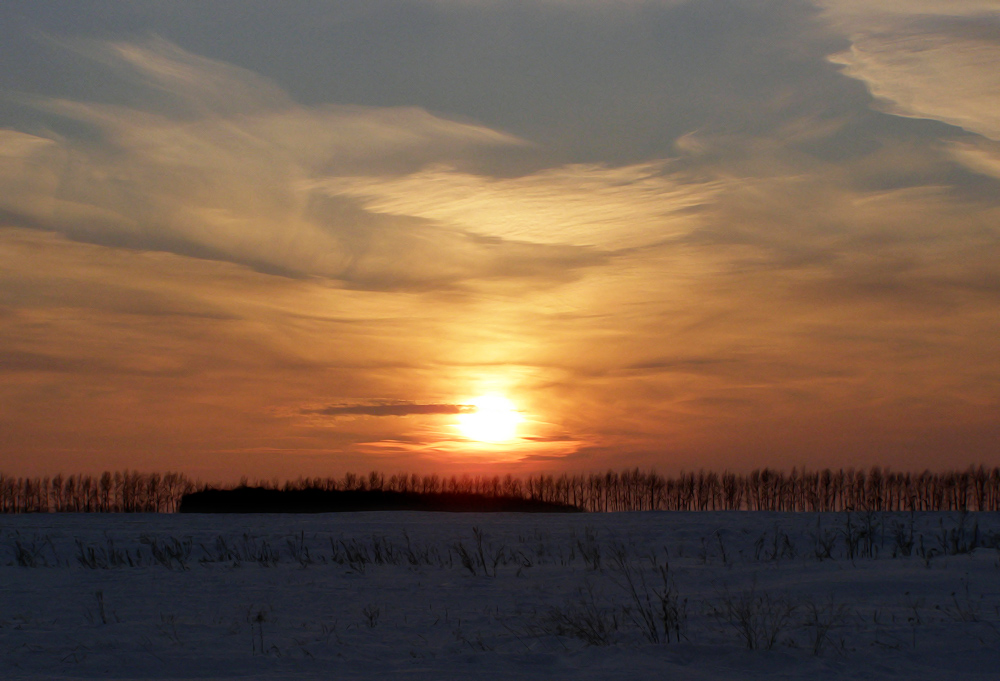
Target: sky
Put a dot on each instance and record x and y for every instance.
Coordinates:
(304, 237)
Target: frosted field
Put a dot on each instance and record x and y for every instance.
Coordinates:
(440, 596)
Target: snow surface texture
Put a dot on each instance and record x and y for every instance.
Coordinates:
(459, 596)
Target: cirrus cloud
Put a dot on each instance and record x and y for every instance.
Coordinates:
(927, 59)
(222, 170)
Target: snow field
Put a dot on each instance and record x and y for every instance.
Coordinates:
(454, 596)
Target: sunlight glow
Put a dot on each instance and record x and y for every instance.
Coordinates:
(494, 420)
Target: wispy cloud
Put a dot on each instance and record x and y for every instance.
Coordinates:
(926, 59)
(580, 205)
(981, 156)
(223, 168)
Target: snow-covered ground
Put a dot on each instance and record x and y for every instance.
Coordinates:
(442, 596)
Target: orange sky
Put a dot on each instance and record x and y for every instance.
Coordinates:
(669, 239)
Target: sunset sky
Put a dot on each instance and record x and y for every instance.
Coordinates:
(305, 237)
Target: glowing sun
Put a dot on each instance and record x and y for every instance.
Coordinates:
(495, 419)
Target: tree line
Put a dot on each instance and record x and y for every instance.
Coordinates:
(118, 492)
(875, 489)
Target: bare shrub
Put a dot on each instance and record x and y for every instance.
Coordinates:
(722, 547)
(655, 609)
(821, 621)
(477, 644)
(170, 553)
(256, 617)
(420, 555)
(851, 533)
(469, 562)
(590, 548)
(775, 546)
(371, 614)
(758, 617)
(383, 551)
(355, 554)
(30, 552)
(248, 549)
(299, 550)
(915, 619)
(100, 614)
(824, 541)
(585, 619)
(902, 535)
(485, 558)
(168, 628)
(103, 557)
(961, 539)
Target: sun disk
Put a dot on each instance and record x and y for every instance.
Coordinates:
(495, 419)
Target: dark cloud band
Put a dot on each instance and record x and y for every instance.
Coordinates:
(393, 409)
